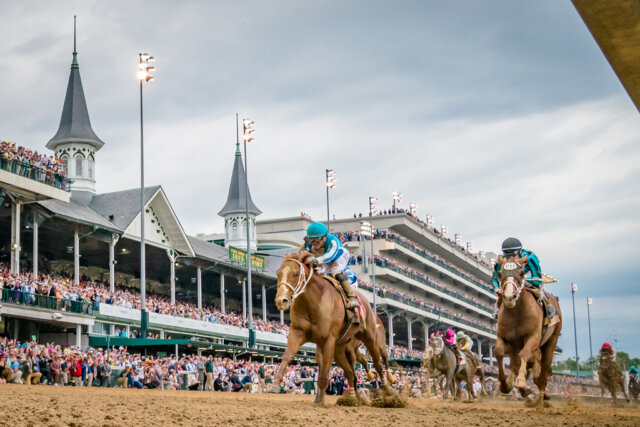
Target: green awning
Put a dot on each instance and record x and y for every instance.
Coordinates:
(107, 341)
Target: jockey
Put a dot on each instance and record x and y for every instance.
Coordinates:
(633, 373)
(465, 344)
(512, 248)
(450, 340)
(332, 256)
(607, 351)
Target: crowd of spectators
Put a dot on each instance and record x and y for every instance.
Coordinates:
(24, 288)
(31, 164)
(431, 229)
(399, 352)
(403, 241)
(425, 305)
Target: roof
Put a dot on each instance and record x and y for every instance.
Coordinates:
(210, 251)
(236, 200)
(615, 25)
(75, 125)
(75, 211)
(123, 205)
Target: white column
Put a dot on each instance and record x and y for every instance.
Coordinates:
(112, 261)
(425, 326)
(78, 336)
(17, 253)
(172, 260)
(479, 347)
(76, 256)
(199, 282)
(281, 316)
(390, 316)
(409, 334)
(13, 238)
(244, 298)
(128, 331)
(161, 334)
(264, 303)
(35, 244)
(222, 301)
(490, 355)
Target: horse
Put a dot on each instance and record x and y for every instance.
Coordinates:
(380, 341)
(478, 370)
(317, 313)
(520, 333)
(610, 377)
(444, 361)
(432, 371)
(634, 388)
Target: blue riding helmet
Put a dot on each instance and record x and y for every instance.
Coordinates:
(317, 229)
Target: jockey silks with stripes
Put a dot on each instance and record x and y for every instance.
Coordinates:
(331, 256)
(512, 248)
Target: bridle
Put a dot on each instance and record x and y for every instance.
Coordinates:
(438, 346)
(303, 280)
(512, 267)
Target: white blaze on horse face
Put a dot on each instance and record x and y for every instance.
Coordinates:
(284, 292)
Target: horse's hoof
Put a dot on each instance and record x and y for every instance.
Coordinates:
(521, 383)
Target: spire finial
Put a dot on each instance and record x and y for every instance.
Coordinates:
(237, 137)
(74, 63)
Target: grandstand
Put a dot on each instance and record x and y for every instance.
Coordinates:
(70, 261)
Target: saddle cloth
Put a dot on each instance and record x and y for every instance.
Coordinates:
(546, 320)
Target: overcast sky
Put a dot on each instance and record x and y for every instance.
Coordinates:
(498, 118)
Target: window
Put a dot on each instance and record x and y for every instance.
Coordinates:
(65, 164)
(90, 167)
(234, 230)
(79, 166)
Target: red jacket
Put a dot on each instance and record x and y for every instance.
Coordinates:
(76, 369)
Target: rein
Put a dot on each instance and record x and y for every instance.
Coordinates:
(303, 280)
(511, 281)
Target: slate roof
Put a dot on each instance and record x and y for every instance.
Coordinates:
(75, 125)
(238, 190)
(123, 205)
(78, 212)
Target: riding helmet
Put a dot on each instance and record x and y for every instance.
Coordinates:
(511, 245)
(316, 229)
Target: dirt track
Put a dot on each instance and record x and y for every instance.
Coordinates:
(22, 405)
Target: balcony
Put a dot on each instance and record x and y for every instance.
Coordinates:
(437, 290)
(12, 296)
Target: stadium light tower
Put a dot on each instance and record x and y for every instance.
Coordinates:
(430, 221)
(247, 132)
(365, 230)
(330, 182)
(574, 289)
(144, 70)
(397, 197)
(413, 208)
(373, 209)
(444, 230)
(589, 302)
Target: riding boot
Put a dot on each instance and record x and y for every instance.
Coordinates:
(346, 287)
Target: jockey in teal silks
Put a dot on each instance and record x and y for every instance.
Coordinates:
(512, 248)
(332, 256)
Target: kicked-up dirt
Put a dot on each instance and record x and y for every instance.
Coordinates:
(22, 405)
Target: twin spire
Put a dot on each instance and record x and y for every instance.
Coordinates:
(75, 125)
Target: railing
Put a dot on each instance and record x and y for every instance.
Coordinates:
(28, 170)
(383, 293)
(426, 255)
(421, 279)
(12, 296)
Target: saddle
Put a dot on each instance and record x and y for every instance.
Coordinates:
(544, 303)
(360, 311)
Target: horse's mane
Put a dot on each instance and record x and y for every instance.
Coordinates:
(303, 257)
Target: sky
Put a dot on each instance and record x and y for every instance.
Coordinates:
(499, 118)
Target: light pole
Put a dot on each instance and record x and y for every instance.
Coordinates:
(397, 197)
(144, 70)
(365, 230)
(248, 131)
(444, 230)
(330, 183)
(574, 289)
(413, 209)
(373, 209)
(589, 302)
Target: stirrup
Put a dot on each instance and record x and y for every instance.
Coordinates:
(352, 303)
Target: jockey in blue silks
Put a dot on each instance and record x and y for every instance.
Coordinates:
(332, 256)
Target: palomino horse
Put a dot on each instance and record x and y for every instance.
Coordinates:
(444, 361)
(318, 316)
(611, 378)
(520, 329)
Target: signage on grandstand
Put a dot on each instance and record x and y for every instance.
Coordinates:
(240, 256)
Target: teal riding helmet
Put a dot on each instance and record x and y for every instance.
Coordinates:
(317, 229)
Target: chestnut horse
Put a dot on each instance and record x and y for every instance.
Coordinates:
(520, 331)
(318, 316)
